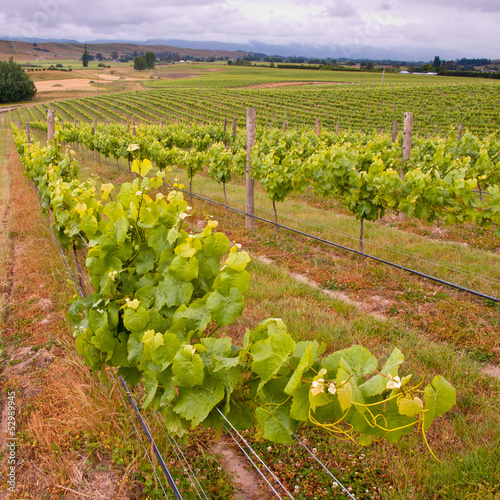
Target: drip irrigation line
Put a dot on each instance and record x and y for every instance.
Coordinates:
(352, 250)
(347, 492)
(177, 450)
(378, 245)
(142, 443)
(152, 441)
(255, 454)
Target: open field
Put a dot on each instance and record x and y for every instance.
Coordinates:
(437, 109)
(210, 92)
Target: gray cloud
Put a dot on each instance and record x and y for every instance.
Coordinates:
(340, 9)
(465, 26)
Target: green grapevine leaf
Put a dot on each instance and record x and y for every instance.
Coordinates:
(188, 368)
(196, 403)
(171, 292)
(135, 319)
(304, 364)
(439, 398)
(184, 269)
(409, 406)
(225, 309)
(269, 355)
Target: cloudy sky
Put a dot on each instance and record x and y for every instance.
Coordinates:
(449, 28)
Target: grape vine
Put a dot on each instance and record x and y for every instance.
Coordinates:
(160, 296)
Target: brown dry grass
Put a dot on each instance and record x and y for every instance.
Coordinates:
(66, 84)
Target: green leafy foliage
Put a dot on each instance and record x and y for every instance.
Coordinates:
(15, 84)
(160, 294)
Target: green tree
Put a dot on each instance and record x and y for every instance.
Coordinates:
(15, 84)
(114, 55)
(98, 56)
(437, 62)
(85, 57)
(140, 63)
(150, 60)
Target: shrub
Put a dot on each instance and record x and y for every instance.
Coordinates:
(15, 84)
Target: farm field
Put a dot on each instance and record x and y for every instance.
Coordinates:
(438, 110)
(321, 293)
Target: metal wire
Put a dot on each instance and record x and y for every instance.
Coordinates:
(254, 453)
(324, 467)
(395, 250)
(357, 252)
(140, 439)
(152, 441)
(177, 450)
(228, 430)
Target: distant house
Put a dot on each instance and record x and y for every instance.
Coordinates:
(405, 72)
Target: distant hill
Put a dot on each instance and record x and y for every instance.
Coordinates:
(28, 51)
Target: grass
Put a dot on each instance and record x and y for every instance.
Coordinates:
(242, 76)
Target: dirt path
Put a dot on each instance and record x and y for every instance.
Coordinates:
(5, 243)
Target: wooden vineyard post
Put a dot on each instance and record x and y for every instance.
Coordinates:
(75, 143)
(234, 127)
(51, 124)
(249, 200)
(225, 125)
(134, 133)
(284, 126)
(28, 135)
(95, 132)
(337, 128)
(161, 124)
(318, 127)
(394, 130)
(460, 130)
(407, 135)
